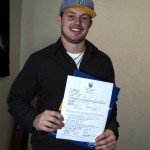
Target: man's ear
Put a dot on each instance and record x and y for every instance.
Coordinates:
(59, 20)
(91, 22)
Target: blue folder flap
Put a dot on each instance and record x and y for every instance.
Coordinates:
(114, 96)
(84, 144)
(115, 91)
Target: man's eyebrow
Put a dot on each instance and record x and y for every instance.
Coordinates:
(71, 12)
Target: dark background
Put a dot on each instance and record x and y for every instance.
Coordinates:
(4, 35)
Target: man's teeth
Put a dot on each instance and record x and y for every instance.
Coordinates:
(75, 30)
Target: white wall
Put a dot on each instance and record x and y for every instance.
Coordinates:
(123, 32)
(39, 26)
(6, 121)
(121, 29)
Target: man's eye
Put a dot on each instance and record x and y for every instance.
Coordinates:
(85, 18)
(70, 16)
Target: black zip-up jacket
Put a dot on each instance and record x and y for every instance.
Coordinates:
(44, 76)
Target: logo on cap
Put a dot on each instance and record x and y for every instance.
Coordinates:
(80, 2)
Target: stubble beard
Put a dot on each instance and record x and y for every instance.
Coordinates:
(73, 41)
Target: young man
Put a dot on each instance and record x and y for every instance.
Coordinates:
(45, 73)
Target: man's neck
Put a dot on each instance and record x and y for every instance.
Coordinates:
(73, 48)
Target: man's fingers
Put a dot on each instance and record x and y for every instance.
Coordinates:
(106, 141)
(48, 121)
(55, 121)
(54, 114)
(49, 127)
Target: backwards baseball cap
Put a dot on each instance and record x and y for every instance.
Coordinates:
(86, 5)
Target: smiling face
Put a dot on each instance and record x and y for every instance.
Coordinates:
(75, 24)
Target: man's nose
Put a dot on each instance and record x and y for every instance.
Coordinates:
(78, 20)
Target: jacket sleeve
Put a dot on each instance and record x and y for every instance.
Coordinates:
(23, 90)
(112, 120)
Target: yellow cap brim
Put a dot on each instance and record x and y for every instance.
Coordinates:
(86, 9)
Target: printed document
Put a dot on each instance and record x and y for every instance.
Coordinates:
(85, 109)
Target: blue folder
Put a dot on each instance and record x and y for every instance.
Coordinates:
(114, 96)
(115, 91)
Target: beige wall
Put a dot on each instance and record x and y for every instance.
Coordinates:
(39, 26)
(123, 32)
(121, 29)
(6, 121)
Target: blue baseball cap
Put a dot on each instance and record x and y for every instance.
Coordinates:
(86, 5)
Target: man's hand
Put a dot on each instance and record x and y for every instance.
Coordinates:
(48, 121)
(106, 141)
